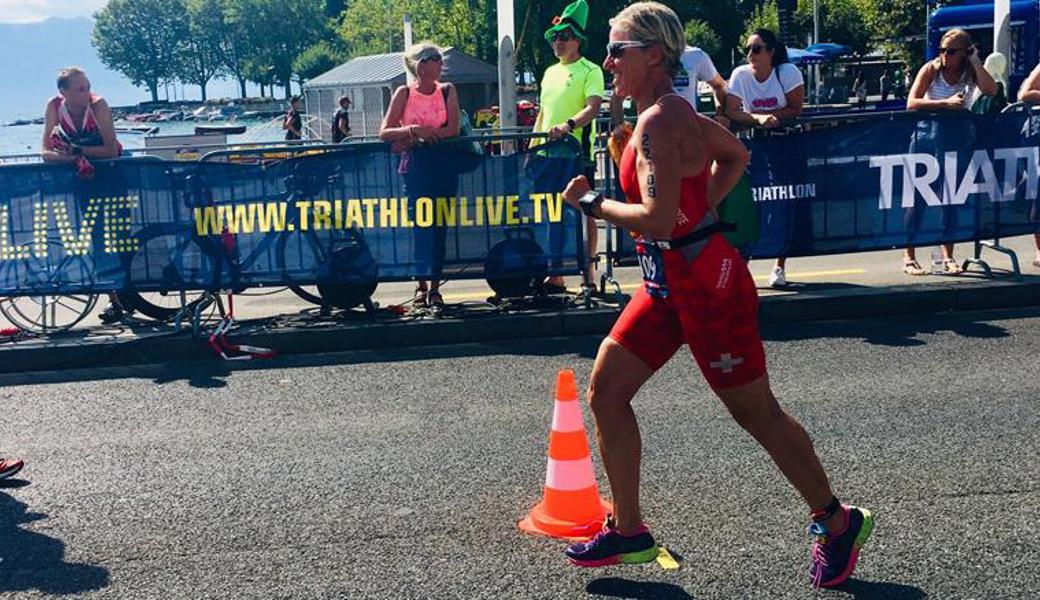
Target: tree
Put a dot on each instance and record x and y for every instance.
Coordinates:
(259, 71)
(333, 8)
(464, 25)
(727, 18)
(376, 26)
(900, 27)
(202, 53)
(701, 35)
(315, 60)
(845, 22)
(140, 39)
(236, 47)
(765, 16)
(277, 32)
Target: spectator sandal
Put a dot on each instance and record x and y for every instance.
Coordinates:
(912, 267)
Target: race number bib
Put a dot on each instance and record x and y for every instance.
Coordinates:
(651, 262)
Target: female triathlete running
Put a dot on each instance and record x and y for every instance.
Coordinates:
(697, 290)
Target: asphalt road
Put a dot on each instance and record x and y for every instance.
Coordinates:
(401, 474)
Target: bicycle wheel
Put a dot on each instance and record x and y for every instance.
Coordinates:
(175, 259)
(339, 257)
(49, 312)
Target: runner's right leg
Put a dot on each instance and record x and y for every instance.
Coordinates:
(616, 377)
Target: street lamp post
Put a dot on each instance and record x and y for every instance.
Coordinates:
(408, 44)
(1002, 27)
(816, 40)
(506, 70)
(816, 21)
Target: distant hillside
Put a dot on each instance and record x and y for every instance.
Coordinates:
(32, 54)
(39, 50)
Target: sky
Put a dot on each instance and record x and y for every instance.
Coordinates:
(29, 11)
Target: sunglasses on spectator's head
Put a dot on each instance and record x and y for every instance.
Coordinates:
(617, 49)
(755, 48)
(564, 35)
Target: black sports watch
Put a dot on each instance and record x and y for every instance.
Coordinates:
(77, 150)
(572, 124)
(590, 202)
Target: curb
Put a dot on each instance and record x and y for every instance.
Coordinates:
(58, 354)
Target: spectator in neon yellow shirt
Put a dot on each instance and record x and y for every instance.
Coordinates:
(571, 95)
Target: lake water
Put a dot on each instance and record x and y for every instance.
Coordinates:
(25, 139)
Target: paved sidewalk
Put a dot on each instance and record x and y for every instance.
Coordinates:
(820, 288)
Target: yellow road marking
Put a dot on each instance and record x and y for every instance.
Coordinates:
(816, 274)
(666, 560)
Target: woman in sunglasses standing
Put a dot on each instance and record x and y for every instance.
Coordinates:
(421, 116)
(951, 82)
(571, 95)
(697, 291)
(766, 91)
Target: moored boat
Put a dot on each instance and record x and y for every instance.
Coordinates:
(225, 129)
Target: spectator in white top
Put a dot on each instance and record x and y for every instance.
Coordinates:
(1030, 92)
(950, 82)
(696, 67)
(767, 90)
(764, 93)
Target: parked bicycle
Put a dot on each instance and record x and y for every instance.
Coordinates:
(178, 257)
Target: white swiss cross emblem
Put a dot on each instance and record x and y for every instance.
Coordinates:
(726, 363)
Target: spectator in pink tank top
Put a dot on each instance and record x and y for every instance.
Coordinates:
(419, 117)
(78, 123)
(78, 128)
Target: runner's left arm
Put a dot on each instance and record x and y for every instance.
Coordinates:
(730, 158)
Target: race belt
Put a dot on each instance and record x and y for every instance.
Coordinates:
(709, 226)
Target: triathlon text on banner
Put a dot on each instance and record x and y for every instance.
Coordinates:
(892, 182)
(356, 214)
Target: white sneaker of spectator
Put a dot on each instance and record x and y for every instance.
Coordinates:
(778, 278)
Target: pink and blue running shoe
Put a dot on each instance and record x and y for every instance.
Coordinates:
(9, 467)
(834, 554)
(611, 547)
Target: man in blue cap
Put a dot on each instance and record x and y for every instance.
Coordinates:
(571, 95)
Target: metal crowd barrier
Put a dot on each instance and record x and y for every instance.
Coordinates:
(172, 254)
(992, 221)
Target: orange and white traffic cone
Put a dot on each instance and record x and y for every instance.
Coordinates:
(571, 507)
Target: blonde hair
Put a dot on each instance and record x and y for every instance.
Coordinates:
(654, 23)
(66, 73)
(963, 40)
(417, 52)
